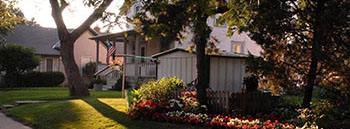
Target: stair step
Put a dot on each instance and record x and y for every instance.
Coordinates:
(6, 106)
(27, 102)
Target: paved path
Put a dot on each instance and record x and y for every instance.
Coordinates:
(8, 123)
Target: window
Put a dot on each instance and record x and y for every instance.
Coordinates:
(142, 53)
(49, 65)
(137, 9)
(237, 47)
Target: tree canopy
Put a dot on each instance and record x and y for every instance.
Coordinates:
(305, 42)
(16, 60)
(171, 20)
(9, 17)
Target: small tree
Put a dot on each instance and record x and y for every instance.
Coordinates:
(16, 60)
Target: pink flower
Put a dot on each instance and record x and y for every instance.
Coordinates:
(194, 93)
(187, 93)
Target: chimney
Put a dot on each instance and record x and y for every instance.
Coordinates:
(97, 29)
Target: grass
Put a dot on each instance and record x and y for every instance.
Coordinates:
(46, 93)
(103, 110)
(298, 99)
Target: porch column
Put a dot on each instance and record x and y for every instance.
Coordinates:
(137, 61)
(97, 53)
(124, 66)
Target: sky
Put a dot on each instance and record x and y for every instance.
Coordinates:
(73, 15)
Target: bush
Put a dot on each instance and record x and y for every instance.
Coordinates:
(89, 69)
(96, 80)
(42, 79)
(118, 86)
(15, 60)
(156, 90)
(251, 83)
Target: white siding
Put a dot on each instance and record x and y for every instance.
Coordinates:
(225, 73)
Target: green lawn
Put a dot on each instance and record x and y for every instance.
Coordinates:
(46, 93)
(298, 99)
(102, 110)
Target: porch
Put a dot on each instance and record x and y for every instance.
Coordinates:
(132, 50)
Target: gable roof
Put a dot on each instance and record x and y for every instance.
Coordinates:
(35, 36)
(57, 45)
(223, 54)
(44, 40)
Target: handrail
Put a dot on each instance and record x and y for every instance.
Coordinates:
(98, 72)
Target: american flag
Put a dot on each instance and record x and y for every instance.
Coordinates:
(110, 52)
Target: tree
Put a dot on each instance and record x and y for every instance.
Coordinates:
(170, 19)
(75, 81)
(16, 60)
(305, 42)
(9, 17)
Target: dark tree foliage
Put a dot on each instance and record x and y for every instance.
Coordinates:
(171, 19)
(305, 42)
(15, 60)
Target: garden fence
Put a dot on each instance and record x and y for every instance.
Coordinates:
(246, 103)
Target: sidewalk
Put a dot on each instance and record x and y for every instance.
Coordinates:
(8, 123)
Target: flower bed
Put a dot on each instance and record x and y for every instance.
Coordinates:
(159, 104)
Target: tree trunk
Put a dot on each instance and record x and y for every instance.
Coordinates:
(75, 81)
(311, 82)
(201, 36)
(315, 55)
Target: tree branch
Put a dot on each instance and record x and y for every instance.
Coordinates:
(64, 4)
(91, 19)
(57, 16)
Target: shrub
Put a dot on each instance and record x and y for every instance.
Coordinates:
(155, 90)
(118, 86)
(251, 83)
(89, 69)
(42, 79)
(15, 60)
(96, 80)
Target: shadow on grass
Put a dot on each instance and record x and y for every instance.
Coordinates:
(38, 115)
(109, 112)
(121, 118)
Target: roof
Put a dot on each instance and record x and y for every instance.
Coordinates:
(119, 36)
(223, 54)
(35, 36)
(57, 45)
(44, 40)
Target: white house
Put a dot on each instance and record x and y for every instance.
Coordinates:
(237, 43)
(227, 70)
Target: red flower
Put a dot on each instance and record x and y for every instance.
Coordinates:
(276, 121)
(153, 106)
(162, 99)
(167, 107)
(182, 94)
(194, 93)
(149, 102)
(160, 104)
(194, 99)
(187, 93)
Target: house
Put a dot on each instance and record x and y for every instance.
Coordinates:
(237, 43)
(139, 70)
(226, 73)
(133, 50)
(46, 42)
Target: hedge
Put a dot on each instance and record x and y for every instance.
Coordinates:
(43, 79)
